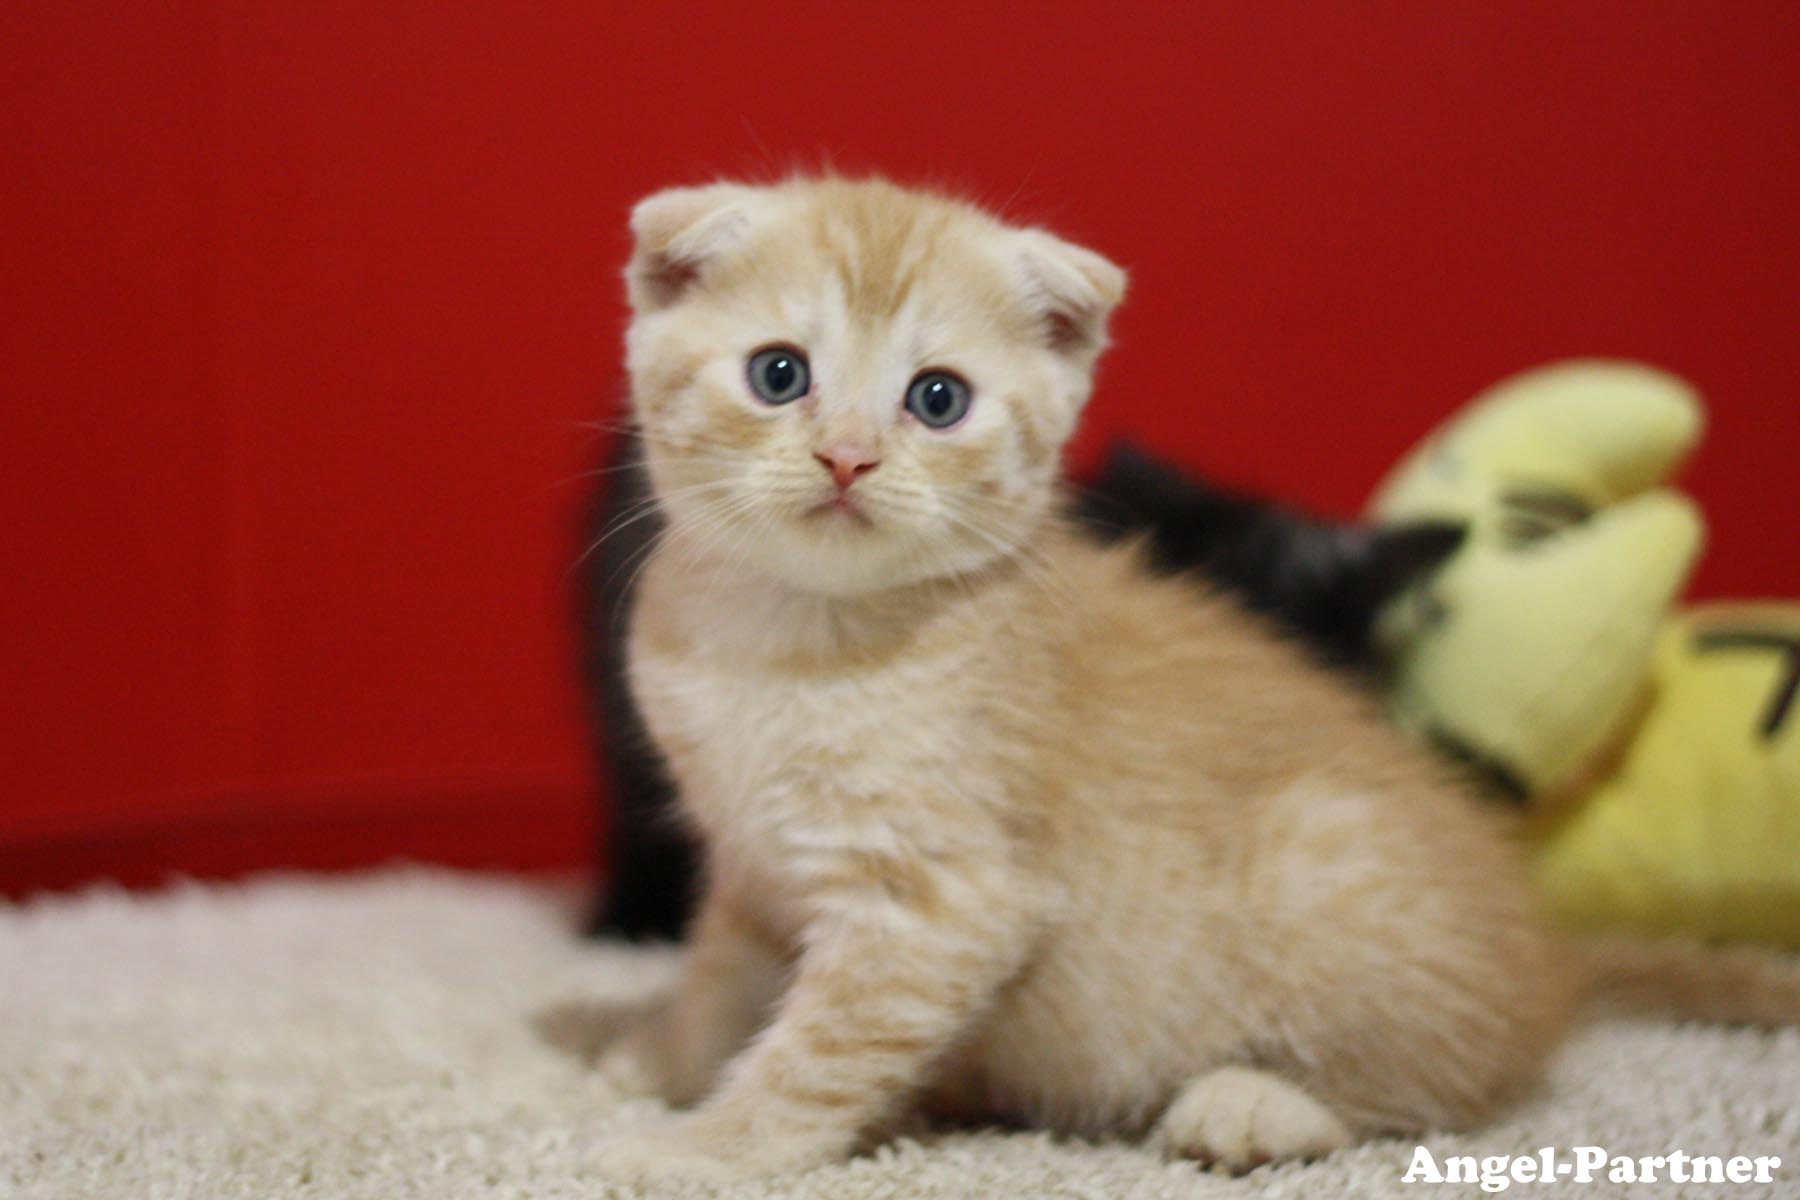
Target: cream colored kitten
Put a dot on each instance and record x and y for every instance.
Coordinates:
(996, 822)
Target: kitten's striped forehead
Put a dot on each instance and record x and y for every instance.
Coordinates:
(878, 241)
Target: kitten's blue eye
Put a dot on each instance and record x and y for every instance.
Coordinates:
(938, 398)
(779, 375)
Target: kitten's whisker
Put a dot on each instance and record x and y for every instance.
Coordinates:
(643, 556)
(936, 558)
(1036, 567)
(707, 519)
(748, 538)
(720, 520)
(714, 460)
(641, 511)
(685, 442)
(592, 473)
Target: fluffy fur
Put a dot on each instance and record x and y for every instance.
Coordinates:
(1323, 582)
(995, 819)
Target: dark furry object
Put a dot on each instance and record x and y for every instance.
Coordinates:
(1322, 580)
(648, 863)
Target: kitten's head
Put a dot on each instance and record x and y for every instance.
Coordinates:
(851, 386)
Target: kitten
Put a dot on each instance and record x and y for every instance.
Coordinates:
(996, 820)
(1323, 581)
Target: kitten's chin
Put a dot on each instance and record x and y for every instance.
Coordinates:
(829, 551)
(836, 512)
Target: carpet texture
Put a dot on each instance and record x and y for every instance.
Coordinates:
(421, 1034)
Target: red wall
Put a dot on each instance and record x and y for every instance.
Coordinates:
(303, 309)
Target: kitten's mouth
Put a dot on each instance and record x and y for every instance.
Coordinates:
(840, 507)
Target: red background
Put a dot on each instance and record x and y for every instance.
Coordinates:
(304, 304)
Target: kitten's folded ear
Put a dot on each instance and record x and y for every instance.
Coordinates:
(1072, 288)
(678, 232)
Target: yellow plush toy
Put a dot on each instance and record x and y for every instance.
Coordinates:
(1660, 753)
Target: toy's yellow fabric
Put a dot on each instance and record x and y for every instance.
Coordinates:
(1697, 826)
(1660, 753)
(1529, 649)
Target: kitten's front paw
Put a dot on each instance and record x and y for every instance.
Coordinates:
(704, 1149)
(635, 1068)
(659, 1154)
(627, 1076)
(1242, 1118)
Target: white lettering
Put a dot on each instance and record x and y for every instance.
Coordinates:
(1588, 1159)
(1493, 1173)
(1424, 1167)
(1584, 1164)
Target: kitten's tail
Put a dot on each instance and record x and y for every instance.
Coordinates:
(1737, 985)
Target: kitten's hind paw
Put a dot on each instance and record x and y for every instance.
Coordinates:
(1242, 1118)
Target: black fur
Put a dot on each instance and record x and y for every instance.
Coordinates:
(1321, 580)
(648, 863)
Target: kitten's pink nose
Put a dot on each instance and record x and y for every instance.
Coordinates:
(846, 462)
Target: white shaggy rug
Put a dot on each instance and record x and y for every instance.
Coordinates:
(417, 1033)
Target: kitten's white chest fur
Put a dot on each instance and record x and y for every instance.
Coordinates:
(792, 771)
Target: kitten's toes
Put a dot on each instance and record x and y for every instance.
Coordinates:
(1242, 1118)
(710, 1149)
(657, 1154)
(633, 1069)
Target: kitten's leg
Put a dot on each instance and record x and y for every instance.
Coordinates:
(1242, 1118)
(883, 989)
(730, 981)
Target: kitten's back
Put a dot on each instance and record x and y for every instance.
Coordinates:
(1241, 826)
